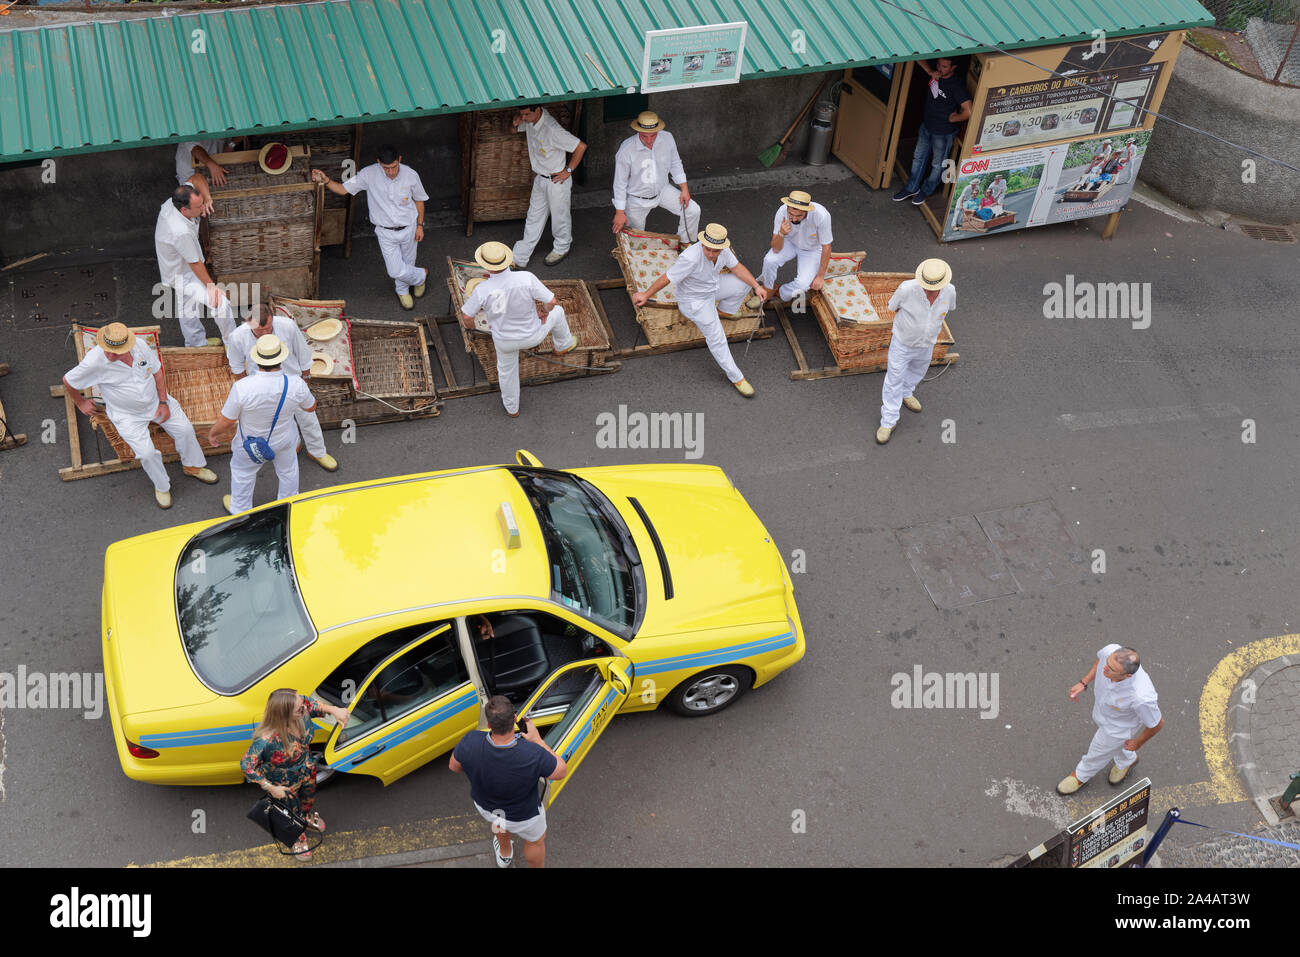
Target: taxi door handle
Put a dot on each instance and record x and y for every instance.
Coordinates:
(366, 757)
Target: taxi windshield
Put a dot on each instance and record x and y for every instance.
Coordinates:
(595, 568)
(237, 601)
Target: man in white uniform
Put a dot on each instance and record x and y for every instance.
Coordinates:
(262, 405)
(1126, 712)
(641, 169)
(701, 289)
(919, 306)
(396, 198)
(181, 267)
(131, 381)
(510, 300)
(802, 230)
(263, 322)
(548, 143)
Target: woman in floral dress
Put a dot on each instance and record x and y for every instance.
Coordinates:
(279, 759)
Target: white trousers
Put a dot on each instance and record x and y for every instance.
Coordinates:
(670, 199)
(549, 199)
(704, 313)
(508, 355)
(135, 432)
(243, 471)
(810, 261)
(907, 365)
(1105, 747)
(313, 438)
(398, 247)
(191, 302)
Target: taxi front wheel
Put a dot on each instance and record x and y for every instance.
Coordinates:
(710, 691)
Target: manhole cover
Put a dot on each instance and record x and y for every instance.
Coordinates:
(1036, 544)
(54, 298)
(955, 562)
(1274, 234)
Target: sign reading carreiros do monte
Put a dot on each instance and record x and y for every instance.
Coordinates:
(1115, 833)
(693, 56)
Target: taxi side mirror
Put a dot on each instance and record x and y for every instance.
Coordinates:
(524, 457)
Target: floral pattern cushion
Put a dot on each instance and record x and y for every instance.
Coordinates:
(648, 258)
(850, 300)
(842, 265)
(461, 274)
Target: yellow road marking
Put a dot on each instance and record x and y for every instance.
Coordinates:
(1224, 787)
(353, 845)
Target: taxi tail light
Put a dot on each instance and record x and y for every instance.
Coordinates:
(137, 751)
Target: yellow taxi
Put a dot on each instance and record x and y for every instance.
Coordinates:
(410, 601)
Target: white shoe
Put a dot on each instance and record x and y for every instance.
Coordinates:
(882, 434)
(912, 403)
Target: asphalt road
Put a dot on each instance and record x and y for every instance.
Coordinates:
(1199, 530)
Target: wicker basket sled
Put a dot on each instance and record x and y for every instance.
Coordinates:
(862, 344)
(661, 321)
(539, 364)
(330, 149)
(972, 222)
(496, 175)
(386, 377)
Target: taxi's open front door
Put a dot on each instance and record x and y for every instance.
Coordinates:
(572, 709)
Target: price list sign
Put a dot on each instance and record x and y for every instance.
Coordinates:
(693, 56)
(1114, 834)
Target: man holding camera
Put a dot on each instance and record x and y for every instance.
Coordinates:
(503, 768)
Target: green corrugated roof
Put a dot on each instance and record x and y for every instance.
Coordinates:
(109, 84)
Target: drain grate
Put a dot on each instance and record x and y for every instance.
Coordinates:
(54, 298)
(1274, 234)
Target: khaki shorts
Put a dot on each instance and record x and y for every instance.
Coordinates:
(533, 829)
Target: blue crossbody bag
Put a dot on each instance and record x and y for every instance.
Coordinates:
(258, 448)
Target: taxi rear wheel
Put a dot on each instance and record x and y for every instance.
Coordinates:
(710, 691)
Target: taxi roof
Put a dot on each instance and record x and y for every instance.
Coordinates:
(403, 543)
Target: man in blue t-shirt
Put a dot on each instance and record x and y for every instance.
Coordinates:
(503, 769)
(947, 106)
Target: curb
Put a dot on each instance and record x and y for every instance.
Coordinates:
(1240, 707)
(429, 855)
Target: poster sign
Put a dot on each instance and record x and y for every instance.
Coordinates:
(1056, 109)
(1114, 834)
(1053, 183)
(693, 56)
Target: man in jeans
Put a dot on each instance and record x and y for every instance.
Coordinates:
(503, 769)
(947, 106)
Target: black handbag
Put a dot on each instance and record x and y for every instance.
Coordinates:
(283, 820)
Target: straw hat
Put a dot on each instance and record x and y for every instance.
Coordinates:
(473, 284)
(933, 274)
(648, 122)
(325, 330)
(321, 364)
(798, 199)
(269, 351)
(714, 236)
(115, 338)
(274, 158)
(494, 257)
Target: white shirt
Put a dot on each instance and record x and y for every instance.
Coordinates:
(644, 172)
(509, 300)
(185, 156)
(242, 341)
(176, 242)
(1130, 154)
(252, 402)
(695, 277)
(998, 189)
(811, 233)
(917, 321)
(548, 144)
(1122, 708)
(392, 201)
(128, 390)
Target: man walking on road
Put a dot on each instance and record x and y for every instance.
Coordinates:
(1125, 710)
(503, 769)
(919, 306)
